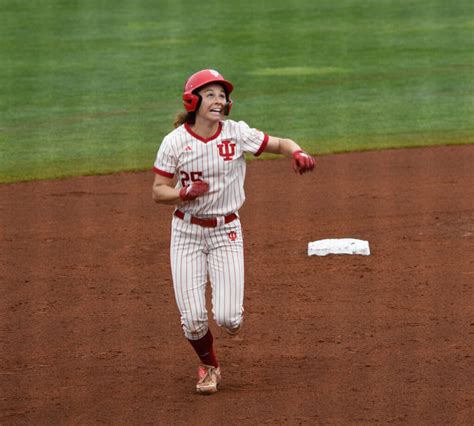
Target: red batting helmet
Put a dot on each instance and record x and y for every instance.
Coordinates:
(191, 99)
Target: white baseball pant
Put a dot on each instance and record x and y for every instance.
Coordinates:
(198, 254)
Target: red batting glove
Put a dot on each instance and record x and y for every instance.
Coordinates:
(196, 189)
(302, 162)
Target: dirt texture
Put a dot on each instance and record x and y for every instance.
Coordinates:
(90, 331)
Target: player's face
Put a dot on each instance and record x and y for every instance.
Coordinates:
(213, 103)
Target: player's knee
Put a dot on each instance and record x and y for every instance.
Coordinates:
(193, 329)
(229, 321)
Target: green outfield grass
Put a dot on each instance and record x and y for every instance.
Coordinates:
(92, 86)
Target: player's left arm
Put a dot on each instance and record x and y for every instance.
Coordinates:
(281, 146)
(302, 162)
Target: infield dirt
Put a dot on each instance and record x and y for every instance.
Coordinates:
(90, 332)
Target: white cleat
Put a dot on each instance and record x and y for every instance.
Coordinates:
(209, 379)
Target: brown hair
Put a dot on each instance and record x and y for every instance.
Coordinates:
(184, 117)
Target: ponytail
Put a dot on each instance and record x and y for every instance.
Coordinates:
(184, 117)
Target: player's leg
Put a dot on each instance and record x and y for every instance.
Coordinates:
(226, 272)
(189, 271)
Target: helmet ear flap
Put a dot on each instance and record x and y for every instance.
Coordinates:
(191, 102)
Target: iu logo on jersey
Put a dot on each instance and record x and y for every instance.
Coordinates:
(226, 150)
(232, 235)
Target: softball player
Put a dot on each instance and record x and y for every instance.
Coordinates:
(200, 168)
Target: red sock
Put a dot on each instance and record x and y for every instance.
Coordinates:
(205, 349)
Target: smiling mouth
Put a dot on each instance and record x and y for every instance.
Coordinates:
(218, 110)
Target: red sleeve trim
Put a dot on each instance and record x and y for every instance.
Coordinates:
(163, 173)
(263, 145)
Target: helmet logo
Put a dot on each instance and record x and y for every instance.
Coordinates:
(214, 73)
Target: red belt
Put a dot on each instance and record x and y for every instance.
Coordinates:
(206, 223)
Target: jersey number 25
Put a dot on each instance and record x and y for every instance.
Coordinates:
(187, 177)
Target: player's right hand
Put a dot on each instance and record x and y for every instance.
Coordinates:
(302, 162)
(196, 189)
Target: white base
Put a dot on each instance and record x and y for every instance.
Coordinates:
(338, 246)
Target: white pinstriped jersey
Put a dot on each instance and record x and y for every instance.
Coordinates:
(218, 160)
